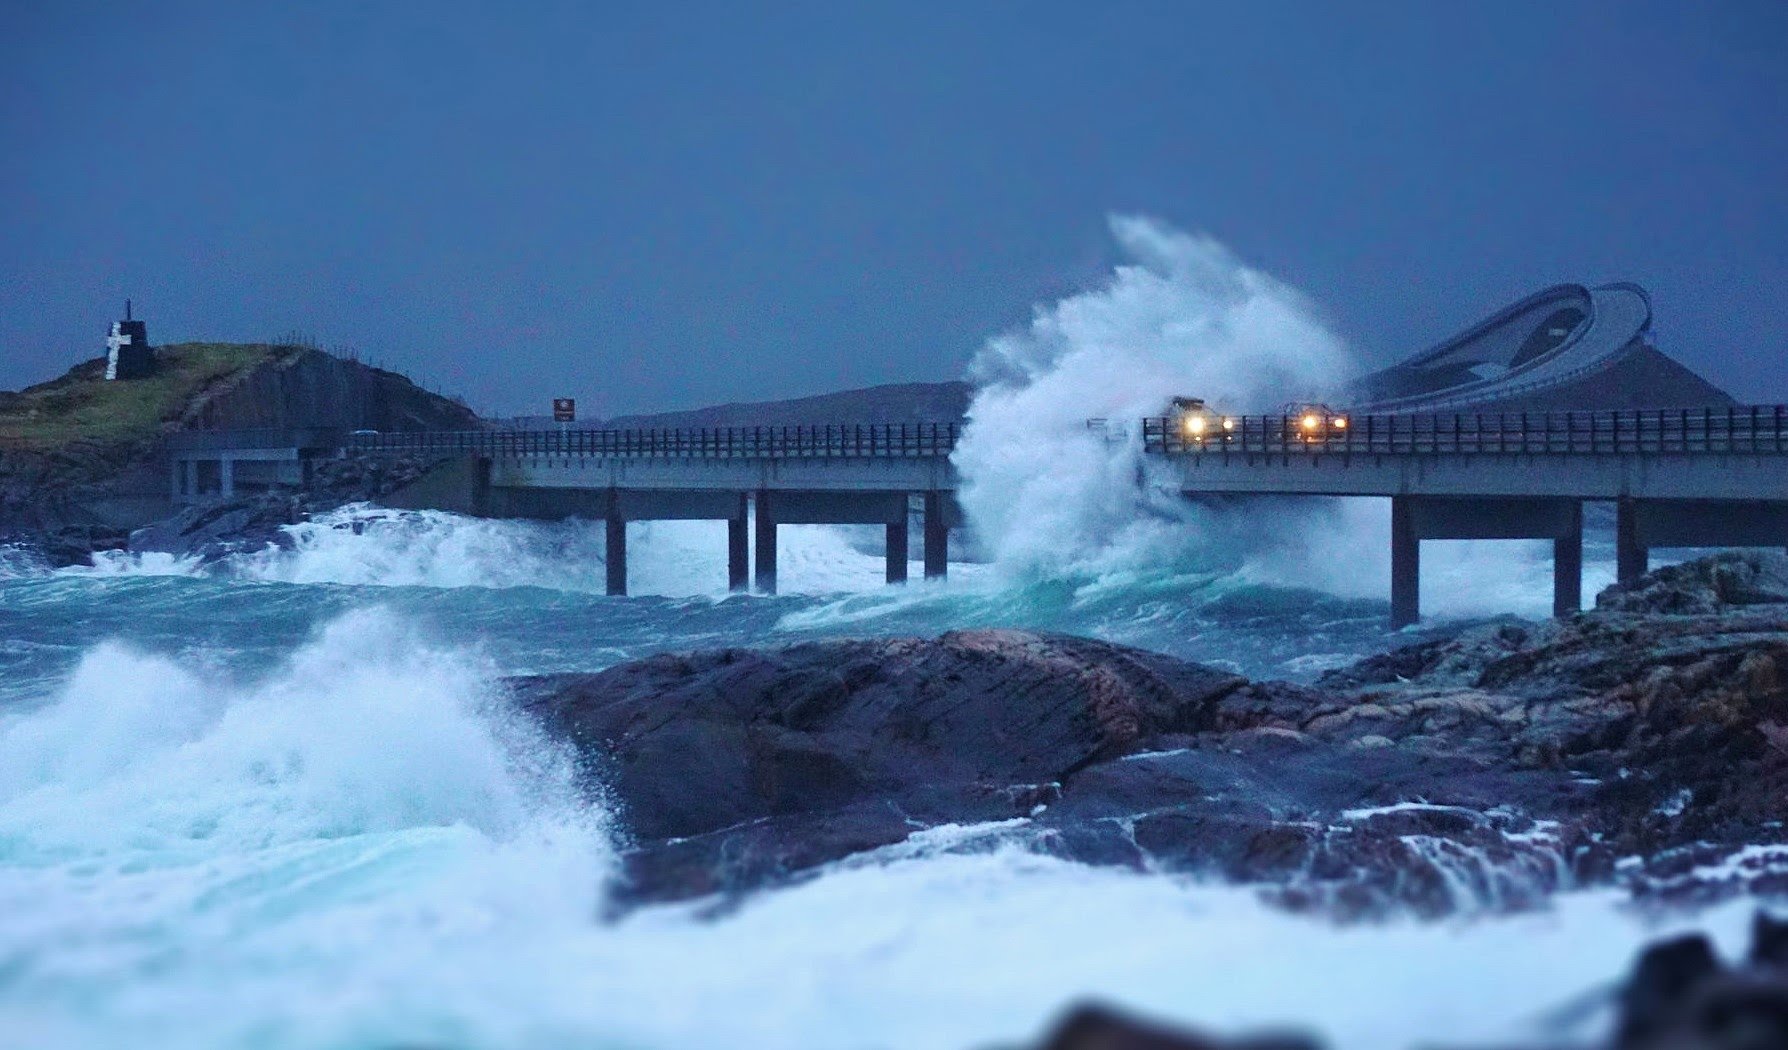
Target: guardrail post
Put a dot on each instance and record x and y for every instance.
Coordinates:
(1567, 565)
(766, 543)
(1406, 564)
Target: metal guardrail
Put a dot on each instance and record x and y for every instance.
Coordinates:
(805, 442)
(1760, 429)
(257, 438)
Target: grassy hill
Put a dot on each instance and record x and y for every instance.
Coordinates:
(82, 405)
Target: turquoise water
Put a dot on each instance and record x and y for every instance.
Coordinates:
(282, 802)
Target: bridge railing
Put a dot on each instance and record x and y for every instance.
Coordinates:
(256, 438)
(877, 440)
(1761, 429)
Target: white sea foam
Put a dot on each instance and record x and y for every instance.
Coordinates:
(1180, 315)
(363, 545)
(17, 561)
(363, 848)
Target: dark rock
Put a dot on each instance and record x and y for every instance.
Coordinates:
(1705, 585)
(76, 544)
(1667, 975)
(1769, 941)
(1096, 1027)
(702, 741)
(1503, 765)
(213, 531)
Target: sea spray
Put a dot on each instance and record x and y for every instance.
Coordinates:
(168, 835)
(1051, 497)
(1047, 494)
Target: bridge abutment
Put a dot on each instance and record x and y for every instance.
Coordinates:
(765, 520)
(897, 552)
(738, 547)
(616, 555)
(1641, 524)
(937, 536)
(1567, 565)
(1631, 559)
(1418, 518)
(1406, 564)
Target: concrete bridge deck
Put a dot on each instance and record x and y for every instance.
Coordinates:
(1683, 477)
(1713, 477)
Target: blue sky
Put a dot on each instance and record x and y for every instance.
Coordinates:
(661, 205)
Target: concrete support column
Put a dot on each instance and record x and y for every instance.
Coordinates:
(766, 543)
(937, 537)
(738, 548)
(226, 477)
(177, 480)
(1567, 566)
(897, 552)
(1630, 559)
(617, 556)
(191, 467)
(1406, 563)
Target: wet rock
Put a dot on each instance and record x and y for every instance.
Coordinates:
(213, 531)
(1096, 1027)
(77, 544)
(1651, 752)
(1705, 585)
(973, 726)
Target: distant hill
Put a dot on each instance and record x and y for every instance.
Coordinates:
(1645, 378)
(893, 403)
(220, 385)
(80, 451)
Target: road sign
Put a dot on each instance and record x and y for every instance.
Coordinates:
(564, 410)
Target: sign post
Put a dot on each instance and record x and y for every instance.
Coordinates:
(564, 410)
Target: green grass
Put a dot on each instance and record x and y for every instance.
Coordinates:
(82, 406)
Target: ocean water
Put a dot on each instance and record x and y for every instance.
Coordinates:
(283, 801)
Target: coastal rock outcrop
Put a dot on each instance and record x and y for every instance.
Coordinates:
(1706, 585)
(1484, 770)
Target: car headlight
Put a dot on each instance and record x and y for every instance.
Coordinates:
(1228, 424)
(1311, 422)
(1194, 425)
(1339, 423)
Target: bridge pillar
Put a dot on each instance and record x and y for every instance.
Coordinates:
(1567, 566)
(897, 552)
(226, 474)
(937, 536)
(738, 548)
(766, 543)
(1630, 559)
(617, 555)
(1406, 563)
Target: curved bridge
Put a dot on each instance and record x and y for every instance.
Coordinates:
(1548, 340)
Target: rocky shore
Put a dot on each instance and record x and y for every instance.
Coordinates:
(1641, 746)
(1624, 746)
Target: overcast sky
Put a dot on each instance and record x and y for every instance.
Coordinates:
(659, 205)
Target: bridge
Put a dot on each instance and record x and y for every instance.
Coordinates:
(1678, 478)
(1705, 477)
(753, 478)
(1426, 433)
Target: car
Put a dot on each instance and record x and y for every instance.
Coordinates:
(1312, 421)
(1194, 423)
